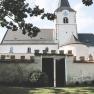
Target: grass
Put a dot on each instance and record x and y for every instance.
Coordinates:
(70, 90)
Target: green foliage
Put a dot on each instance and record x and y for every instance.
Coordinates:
(49, 16)
(47, 90)
(18, 11)
(87, 2)
(38, 78)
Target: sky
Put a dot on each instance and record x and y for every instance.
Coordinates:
(84, 15)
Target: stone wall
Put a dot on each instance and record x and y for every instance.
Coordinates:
(79, 72)
(13, 71)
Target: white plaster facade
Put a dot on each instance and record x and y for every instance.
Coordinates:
(78, 50)
(78, 72)
(23, 48)
(65, 29)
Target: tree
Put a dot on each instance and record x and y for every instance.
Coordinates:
(87, 2)
(18, 10)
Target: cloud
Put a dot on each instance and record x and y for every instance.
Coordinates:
(49, 5)
(85, 20)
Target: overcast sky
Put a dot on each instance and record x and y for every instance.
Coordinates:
(85, 15)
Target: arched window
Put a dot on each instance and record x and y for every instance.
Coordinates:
(65, 20)
(11, 50)
(28, 50)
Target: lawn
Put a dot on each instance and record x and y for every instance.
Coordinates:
(70, 90)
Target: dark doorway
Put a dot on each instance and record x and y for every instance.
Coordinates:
(60, 72)
(48, 68)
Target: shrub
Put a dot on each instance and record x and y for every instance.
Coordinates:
(85, 83)
(92, 83)
(38, 78)
(77, 83)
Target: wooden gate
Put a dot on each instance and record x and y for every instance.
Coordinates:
(60, 73)
(47, 67)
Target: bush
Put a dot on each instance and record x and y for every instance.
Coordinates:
(85, 83)
(38, 78)
(92, 82)
(77, 83)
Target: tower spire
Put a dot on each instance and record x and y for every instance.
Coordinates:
(64, 3)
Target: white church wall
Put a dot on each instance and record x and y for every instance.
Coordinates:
(82, 50)
(71, 16)
(23, 48)
(79, 72)
(72, 19)
(78, 50)
(65, 30)
(91, 50)
(68, 47)
(59, 15)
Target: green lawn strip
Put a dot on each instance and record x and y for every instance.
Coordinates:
(80, 90)
(41, 91)
(47, 90)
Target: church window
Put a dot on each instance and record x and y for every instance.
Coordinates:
(90, 57)
(29, 50)
(11, 49)
(22, 57)
(32, 59)
(12, 57)
(65, 20)
(82, 58)
(69, 51)
(2, 56)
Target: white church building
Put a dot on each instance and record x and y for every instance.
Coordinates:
(64, 37)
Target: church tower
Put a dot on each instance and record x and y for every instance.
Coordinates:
(65, 22)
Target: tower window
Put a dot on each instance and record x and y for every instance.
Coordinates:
(29, 50)
(65, 20)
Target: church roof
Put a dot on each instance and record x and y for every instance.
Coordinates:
(86, 38)
(83, 38)
(64, 5)
(16, 37)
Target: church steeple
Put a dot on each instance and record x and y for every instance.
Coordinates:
(65, 22)
(64, 3)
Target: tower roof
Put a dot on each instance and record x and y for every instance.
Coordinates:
(64, 5)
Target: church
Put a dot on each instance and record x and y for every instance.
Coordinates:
(77, 48)
(63, 37)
